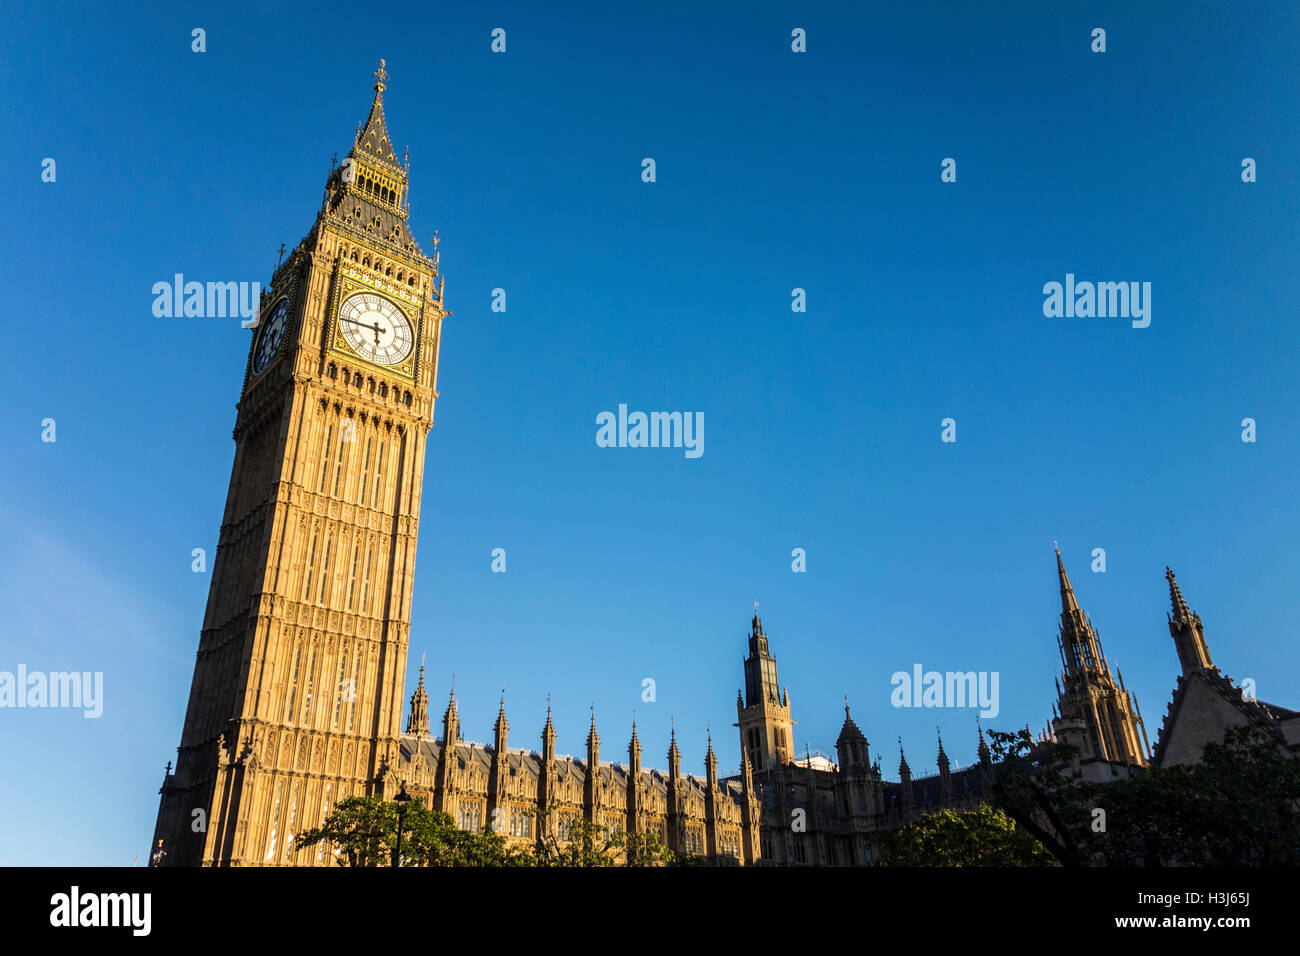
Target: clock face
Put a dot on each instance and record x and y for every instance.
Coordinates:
(272, 334)
(375, 328)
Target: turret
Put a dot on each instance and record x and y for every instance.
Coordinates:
(445, 774)
(905, 779)
(674, 795)
(945, 778)
(711, 797)
(499, 772)
(1187, 631)
(417, 724)
(546, 776)
(591, 788)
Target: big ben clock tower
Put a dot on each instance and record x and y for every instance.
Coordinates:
(298, 683)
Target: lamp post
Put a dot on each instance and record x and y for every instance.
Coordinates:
(401, 799)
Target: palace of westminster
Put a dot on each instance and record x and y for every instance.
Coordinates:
(311, 597)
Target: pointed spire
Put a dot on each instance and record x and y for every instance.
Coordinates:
(1068, 602)
(373, 142)
(903, 768)
(983, 748)
(417, 723)
(634, 750)
(502, 725)
(1180, 610)
(1187, 631)
(943, 757)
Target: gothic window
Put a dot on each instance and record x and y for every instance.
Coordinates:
(352, 703)
(325, 456)
(365, 470)
(293, 817)
(325, 570)
(311, 564)
(324, 813)
(352, 579)
(293, 682)
(306, 697)
(379, 470)
(275, 819)
(365, 584)
(338, 465)
(343, 674)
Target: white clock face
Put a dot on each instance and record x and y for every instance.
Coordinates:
(272, 334)
(375, 328)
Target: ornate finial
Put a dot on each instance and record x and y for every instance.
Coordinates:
(436, 240)
(281, 259)
(169, 767)
(381, 78)
(1056, 546)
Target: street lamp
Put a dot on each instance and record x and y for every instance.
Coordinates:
(401, 800)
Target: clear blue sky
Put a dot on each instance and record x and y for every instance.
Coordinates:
(775, 171)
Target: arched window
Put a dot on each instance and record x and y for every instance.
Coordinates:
(311, 565)
(293, 682)
(325, 570)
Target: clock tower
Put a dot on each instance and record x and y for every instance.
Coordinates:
(297, 691)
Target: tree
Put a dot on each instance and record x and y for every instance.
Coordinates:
(364, 831)
(1237, 807)
(982, 837)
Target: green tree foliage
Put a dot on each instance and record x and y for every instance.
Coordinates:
(363, 830)
(1237, 807)
(983, 837)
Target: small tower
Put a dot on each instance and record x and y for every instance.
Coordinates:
(1187, 631)
(445, 775)
(763, 715)
(945, 777)
(417, 724)
(905, 779)
(591, 786)
(674, 809)
(851, 746)
(711, 798)
(499, 772)
(749, 813)
(986, 757)
(546, 776)
(634, 808)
